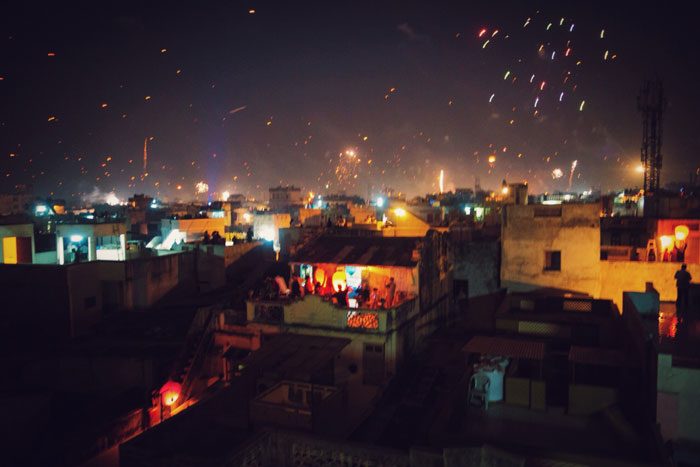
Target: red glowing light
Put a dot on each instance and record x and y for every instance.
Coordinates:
(170, 392)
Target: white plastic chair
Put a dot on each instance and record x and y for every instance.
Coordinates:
(479, 390)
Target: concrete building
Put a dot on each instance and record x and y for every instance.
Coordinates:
(551, 246)
(401, 221)
(559, 247)
(66, 300)
(284, 198)
(381, 338)
(675, 341)
(515, 193)
(276, 409)
(90, 242)
(17, 243)
(189, 230)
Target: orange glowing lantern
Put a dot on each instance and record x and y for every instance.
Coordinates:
(339, 279)
(170, 393)
(681, 232)
(666, 242)
(320, 276)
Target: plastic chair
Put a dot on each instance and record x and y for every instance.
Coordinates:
(479, 390)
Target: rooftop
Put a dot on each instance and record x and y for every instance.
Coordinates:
(363, 251)
(296, 356)
(678, 335)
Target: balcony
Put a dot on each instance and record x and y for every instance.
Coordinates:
(315, 311)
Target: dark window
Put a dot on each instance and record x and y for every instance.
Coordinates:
(90, 302)
(552, 260)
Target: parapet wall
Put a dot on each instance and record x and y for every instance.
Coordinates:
(631, 276)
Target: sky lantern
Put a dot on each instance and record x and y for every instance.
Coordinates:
(320, 276)
(339, 279)
(170, 393)
(666, 242)
(681, 232)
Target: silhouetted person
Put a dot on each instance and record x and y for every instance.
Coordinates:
(206, 238)
(295, 287)
(683, 279)
(216, 238)
(679, 253)
(374, 298)
(309, 285)
(249, 235)
(390, 292)
(342, 296)
(364, 294)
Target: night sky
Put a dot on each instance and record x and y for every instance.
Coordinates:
(287, 95)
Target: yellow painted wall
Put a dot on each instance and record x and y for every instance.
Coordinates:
(15, 230)
(9, 250)
(408, 225)
(631, 276)
(526, 237)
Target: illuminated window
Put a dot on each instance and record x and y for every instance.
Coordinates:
(552, 260)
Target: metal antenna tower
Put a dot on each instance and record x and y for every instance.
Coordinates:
(651, 103)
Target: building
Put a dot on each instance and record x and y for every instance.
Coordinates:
(17, 243)
(559, 246)
(90, 241)
(284, 198)
(266, 226)
(675, 344)
(564, 370)
(381, 339)
(16, 203)
(554, 246)
(289, 384)
(174, 231)
(401, 220)
(515, 193)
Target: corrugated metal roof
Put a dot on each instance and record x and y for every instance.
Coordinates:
(363, 251)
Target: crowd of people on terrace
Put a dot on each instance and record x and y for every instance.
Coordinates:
(343, 296)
